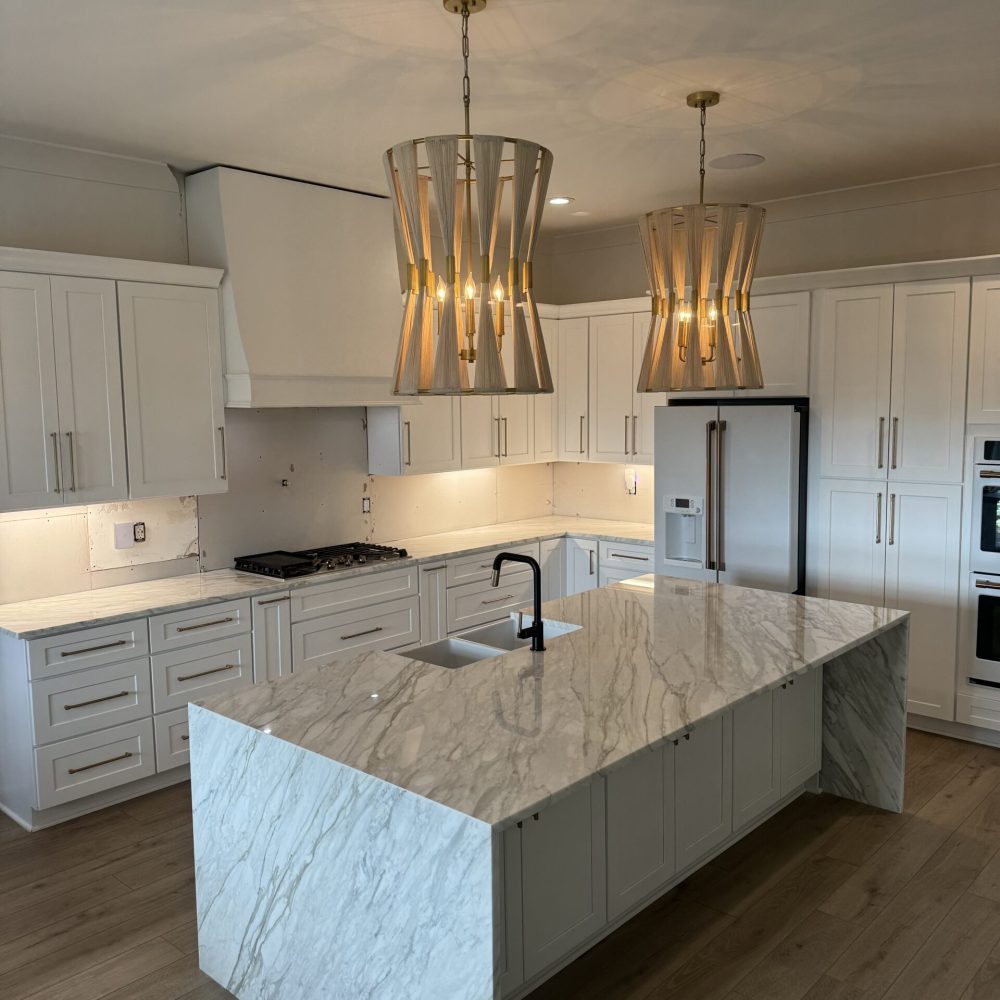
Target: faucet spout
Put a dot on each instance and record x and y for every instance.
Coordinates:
(535, 631)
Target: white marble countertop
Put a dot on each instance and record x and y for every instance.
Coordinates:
(499, 739)
(51, 615)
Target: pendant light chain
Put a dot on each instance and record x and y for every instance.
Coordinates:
(466, 83)
(701, 157)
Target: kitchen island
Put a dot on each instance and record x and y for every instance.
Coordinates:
(383, 827)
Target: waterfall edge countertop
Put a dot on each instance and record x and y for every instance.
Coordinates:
(499, 739)
(51, 615)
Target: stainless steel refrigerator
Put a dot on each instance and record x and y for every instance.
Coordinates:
(730, 491)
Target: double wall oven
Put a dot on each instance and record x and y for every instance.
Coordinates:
(984, 584)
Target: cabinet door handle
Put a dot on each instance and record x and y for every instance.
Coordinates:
(496, 420)
(504, 437)
(709, 500)
(222, 442)
(56, 455)
(97, 701)
(881, 442)
(892, 518)
(895, 439)
(626, 434)
(720, 530)
(498, 600)
(367, 631)
(274, 600)
(100, 763)
(205, 673)
(217, 621)
(878, 519)
(72, 462)
(409, 444)
(185, 737)
(581, 433)
(95, 649)
(635, 434)
(590, 561)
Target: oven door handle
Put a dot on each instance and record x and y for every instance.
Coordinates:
(989, 473)
(987, 585)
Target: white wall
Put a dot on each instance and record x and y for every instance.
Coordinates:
(596, 489)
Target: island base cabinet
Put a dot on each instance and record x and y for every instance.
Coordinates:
(563, 865)
(640, 804)
(507, 911)
(756, 757)
(703, 776)
(801, 727)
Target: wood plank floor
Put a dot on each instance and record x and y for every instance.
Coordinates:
(828, 901)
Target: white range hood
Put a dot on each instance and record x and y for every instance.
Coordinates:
(311, 294)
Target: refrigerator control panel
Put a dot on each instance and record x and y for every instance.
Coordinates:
(683, 505)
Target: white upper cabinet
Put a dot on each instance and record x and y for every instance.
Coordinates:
(929, 360)
(571, 390)
(781, 329)
(855, 359)
(410, 440)
(517, 429)
(480, 432)
(29, 444)
(89, 389)
(172, 379)
(643, 403)
(546, 408)
(984, 352)
(612, 389)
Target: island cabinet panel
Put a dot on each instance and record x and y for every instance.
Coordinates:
(507, 901)
(801, 728)
(756, 757)
(272, 637)
(703, 776)
(640, 804)
(582, 562)
(563, 876)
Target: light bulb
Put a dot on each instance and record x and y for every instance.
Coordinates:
(498, 291)
(470, 288)
(442, 289)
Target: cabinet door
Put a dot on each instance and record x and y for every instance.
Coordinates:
(552, 559)
(703, 780)
(572, 389)
(640, 804)
(517, 429)
(781, 329)
(172, 377)
(756, 757)
(89, 387)
(612, 388)
(930, 342)
(546, 406)
(855, 359)
(563, 876)
(507, 918)
(272, 637)
(432, 435)
(984, 352)
(433, 603)
(922, 576)
(581, 565)
(480, 432)
(29, 444)
(801, 718)
(643, 403)
(850, 544)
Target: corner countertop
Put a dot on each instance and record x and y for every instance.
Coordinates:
(51, 615)
(499, 739)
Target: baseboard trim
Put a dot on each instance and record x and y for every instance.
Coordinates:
(956, 730)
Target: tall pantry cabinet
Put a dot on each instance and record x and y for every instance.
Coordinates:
(890, 404)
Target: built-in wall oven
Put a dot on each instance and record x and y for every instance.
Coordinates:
(984, 599)
(986, 506)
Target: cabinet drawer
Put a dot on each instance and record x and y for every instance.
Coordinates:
(479, 603)
(84, 701)
(93, 763)
(170, 732)
(384, 626)
(183, 675)
(88, 647)
(470, 569)
(354, 592)
(619, 555)
(202, 624)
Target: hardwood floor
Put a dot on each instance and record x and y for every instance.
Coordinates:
(828, 901)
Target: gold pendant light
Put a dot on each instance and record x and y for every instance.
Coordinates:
(700, 261)
(470, 321)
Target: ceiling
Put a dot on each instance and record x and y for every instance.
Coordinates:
(833, 93)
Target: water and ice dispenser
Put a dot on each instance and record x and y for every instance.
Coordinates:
(684, 529)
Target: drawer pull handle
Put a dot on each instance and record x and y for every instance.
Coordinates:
(367, 631)
(100, 763)
(218, 621)
(273, 600)
(97, 701)
(625, 555)
(506, 597)
(95, 649)
(185, 737)
(205, 673)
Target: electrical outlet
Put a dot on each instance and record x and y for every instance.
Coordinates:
(631, 482)
(124, 535)
(139, 531)
(366, 505)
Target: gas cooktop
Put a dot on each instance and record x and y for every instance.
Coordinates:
(288, 564)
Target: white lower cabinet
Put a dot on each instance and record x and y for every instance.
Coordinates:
(703, 777)
(564, 886)
(581, 565)
(209, 668)
(756, 757)
(552, 559)
(640, 826)
(474, 604)
(170, 731)
(272, 637)
(801, 726)
(433, 602)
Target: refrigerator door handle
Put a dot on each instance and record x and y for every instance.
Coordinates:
(709, 499)
(720, 531)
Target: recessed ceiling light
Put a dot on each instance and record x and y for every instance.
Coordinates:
(580, 212)
(736, 161)
(561, 199)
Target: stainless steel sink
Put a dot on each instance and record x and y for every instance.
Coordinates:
(504, 634)
(453, 652)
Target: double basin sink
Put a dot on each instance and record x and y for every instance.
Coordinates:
(482, 643)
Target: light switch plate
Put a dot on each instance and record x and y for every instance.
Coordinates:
(123, 535)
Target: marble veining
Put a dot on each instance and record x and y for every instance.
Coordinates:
(51, 615)
(500, 739)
